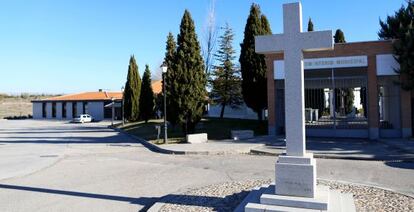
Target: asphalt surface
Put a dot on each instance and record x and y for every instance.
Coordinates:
(59, 166)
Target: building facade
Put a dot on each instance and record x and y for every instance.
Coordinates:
(350, 91)
(72, 105)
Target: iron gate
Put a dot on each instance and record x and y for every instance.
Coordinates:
(335, 106)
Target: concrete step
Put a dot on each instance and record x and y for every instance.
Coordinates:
(347, 202)
(335, 201)
(319, 202)
(254, 207)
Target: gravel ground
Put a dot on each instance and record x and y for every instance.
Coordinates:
(226, 197)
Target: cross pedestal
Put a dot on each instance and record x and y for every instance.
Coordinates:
(295, 181)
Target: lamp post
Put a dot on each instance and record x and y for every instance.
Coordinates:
(164, 72)
(123, 120)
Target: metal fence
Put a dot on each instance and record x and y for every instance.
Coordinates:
(339, 103)
(330, 103)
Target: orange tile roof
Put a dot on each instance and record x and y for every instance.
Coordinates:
(99, 95)
(103, 95)
(156, 86)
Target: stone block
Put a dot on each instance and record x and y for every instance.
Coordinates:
(197, 138)
(337, 201)
(295, 178)
(306, 159)
(242, 134)
(319, 202)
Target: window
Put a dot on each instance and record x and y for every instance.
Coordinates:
(44, 109)
(63, 109)
(74, 109)
(53, 109)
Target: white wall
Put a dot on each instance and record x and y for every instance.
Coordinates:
(37, 110)
(386, 65)
(49, 110)
(79, 108)
(243, 112)
(58, 110)
(96, 110)
(69, 110)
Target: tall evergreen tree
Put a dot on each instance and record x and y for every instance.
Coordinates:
(400, 27)
(344, 94)
(253, 66)
(190, 79)
(171, 86)
(226, 85)
(147, 96)
(310, 25)
(339, 36)
(132, 91)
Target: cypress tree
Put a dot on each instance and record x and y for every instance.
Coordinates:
(190, 79)
(400, 28)
(253, 66)
(147, 96)
(347, 93)
(171, 86)
(339, 36)
(226, 85)
(310, 25)
(132, 91)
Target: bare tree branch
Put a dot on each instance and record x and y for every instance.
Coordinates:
(210, 38)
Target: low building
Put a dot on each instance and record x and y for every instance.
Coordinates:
(97, 104)
(72, 105)
(350, 91)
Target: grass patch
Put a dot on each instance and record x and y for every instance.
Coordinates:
(217, 129)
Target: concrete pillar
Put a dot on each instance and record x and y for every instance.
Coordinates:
(406, 114)
(385, 103)
(58, 110)
(373, 109)
(69, 110)
(79, 108)
(271, 96)
(49, 110)
(331, 102)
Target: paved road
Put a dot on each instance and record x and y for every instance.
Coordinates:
(57, 166)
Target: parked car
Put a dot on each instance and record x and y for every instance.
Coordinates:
(82, 118)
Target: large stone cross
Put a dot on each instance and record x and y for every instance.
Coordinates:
(293, 42)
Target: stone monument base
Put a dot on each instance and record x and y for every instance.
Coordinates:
(296, 175)
(264, 199)
(296, 190)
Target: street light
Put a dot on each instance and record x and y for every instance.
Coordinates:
(164, 72)
(123, 120)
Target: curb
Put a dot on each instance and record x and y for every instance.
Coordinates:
(369, 185)
(148, 145)
(327, 156)
(157, 149)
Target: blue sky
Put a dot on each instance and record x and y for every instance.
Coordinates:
(70, 46)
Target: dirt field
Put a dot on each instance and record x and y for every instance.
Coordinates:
(17, 105)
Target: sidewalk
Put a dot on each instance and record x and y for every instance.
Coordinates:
(356, 149)
(352, 149)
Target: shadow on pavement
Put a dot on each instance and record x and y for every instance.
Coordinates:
(401, 165)
(357, 149)
(67, 140)
(226, 203)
